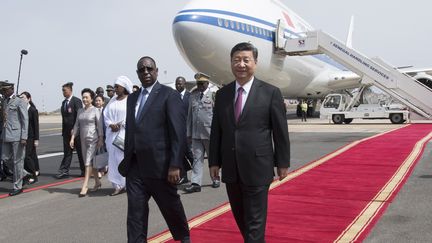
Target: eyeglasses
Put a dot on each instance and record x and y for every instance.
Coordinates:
(143, 69)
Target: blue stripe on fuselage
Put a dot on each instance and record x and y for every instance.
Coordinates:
(210, 20)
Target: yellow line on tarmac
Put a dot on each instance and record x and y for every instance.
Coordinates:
(166, 236)
(359, 224)
(50, 129)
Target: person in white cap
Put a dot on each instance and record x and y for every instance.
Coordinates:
(115, 122)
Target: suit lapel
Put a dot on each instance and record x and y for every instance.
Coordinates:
(231, 97)
(152, 96)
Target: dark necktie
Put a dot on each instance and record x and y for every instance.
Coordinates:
(142, 102)
(201, 95)
(65, 105)
(238, 104)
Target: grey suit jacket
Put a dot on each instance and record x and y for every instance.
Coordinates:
(15, 120)
(200, 114)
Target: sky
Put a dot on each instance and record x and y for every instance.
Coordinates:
(91, 42)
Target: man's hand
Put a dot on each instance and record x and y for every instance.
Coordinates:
(72, 143)
(36, 143)
(115, 127)
(282, 173)
(100, 143)
(23, 141)
(214, 172)
(173, 175)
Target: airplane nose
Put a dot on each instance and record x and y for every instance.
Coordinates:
(191, 37)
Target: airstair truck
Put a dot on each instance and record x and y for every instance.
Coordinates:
(341, 108)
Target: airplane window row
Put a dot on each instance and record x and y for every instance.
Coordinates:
(244, 27)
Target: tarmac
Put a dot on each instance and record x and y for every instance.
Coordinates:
(54, 213)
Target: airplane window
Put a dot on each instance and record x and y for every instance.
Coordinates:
(243, 26)
(247, 28)
(232, 24)
(220, 22)
(226, 23)
(260, 31)
(238, 25)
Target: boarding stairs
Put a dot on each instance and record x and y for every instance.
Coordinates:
(402, 87)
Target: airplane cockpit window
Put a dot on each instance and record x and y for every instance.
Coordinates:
(247, 28)
(243, 26)
(226, 23)
(232, 24)
(238, 25)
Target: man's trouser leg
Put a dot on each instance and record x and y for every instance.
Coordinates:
(197, 167)
(13, 156)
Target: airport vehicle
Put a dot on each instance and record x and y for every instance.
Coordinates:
(341, 108)
(206, 30)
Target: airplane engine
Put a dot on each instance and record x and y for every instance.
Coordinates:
(425, 79)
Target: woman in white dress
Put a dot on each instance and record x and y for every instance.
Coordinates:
(115, 121)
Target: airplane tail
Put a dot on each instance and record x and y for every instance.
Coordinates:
(350, 33)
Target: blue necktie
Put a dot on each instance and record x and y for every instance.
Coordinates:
(142, 103)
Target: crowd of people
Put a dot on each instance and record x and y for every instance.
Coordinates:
(152, 135)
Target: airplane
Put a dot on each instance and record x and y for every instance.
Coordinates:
(206, 30)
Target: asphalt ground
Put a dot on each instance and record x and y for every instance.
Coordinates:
(56, 214)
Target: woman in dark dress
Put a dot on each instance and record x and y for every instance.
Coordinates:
(31, 162)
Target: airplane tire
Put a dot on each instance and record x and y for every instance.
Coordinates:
(397, 118)
(348, 120)
(338, 118)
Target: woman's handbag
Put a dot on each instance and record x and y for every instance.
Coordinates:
(119, 140)
(101, 158)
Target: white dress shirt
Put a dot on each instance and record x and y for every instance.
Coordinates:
(246, 90)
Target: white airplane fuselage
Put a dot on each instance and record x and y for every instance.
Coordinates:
(206, 30)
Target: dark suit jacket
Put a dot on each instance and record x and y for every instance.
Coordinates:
(69, 116)
(157, 140)
(33, 128)
(248, 151)
(186, 101)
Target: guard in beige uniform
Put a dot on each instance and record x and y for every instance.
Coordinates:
(14, 135)
(199, 120)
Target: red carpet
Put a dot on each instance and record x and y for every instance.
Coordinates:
(337, 198)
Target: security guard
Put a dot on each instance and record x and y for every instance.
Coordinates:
(200, 114)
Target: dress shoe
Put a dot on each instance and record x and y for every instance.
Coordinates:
(118, 191)
(96, 187)
(186, 239)
(83, 194)
(15, 192)
(32, 180)
(62, 175)
(192, 188)
(216, 184)
(183, 180)
(37, 173)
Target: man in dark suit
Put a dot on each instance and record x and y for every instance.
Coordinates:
(180, 84)
(69, 109)
(154, 150)
(249, 137)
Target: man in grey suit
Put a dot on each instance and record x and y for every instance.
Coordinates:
(14, 135)
(199, 119)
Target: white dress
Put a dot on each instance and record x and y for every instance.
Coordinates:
(115, 112)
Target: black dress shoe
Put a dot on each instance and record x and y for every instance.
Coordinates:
(15, 192)
(62, 175)
(192, 188)
(216, 184)
(32, 180)
(183, 180)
